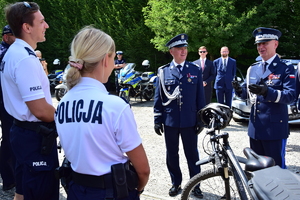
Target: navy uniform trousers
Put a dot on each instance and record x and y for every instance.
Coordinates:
(7, 158)
(35, 177)
(189, 140)
(79, 192)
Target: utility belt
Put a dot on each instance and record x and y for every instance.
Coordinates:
(122, 179)
(46, 129)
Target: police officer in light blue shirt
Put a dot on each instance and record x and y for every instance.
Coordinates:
(269, 87)
(179, 95)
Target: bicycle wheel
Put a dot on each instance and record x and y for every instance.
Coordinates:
(211, 185)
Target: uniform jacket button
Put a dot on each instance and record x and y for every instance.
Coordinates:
(258, 111)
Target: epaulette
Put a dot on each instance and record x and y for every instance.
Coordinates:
(255, 63)
(166, 65)
(30, 52)
(286, 62)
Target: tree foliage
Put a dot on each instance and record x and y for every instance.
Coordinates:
(218, 23)
(141, 28)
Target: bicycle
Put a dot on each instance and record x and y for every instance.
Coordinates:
(261, 179)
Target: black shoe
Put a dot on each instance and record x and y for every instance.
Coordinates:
(5, 188)
(174, 190)
(198, 193)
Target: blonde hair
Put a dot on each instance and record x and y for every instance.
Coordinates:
(88, 48)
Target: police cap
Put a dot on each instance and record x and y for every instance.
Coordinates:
(119, 52)
(178, 41)
(263, 34)
(6, 30)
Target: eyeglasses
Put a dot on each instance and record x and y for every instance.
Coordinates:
(202, 51)
(27, 4)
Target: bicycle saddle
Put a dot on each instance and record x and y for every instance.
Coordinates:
(256, 162)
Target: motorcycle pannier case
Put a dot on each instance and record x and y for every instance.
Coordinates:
(275, 183)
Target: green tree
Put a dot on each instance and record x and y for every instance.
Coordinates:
(218, 23)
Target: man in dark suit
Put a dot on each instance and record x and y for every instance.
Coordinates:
(208, 72)
(178, 97)
(225, 69)
(270, 87)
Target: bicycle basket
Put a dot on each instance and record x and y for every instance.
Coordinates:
(220, 113)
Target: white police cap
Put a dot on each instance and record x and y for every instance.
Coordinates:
(263, 34)
(178, 41)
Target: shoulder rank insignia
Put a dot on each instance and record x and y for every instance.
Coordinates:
(255, 63)
(30, 52)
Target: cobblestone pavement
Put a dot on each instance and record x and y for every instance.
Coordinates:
(159, 182)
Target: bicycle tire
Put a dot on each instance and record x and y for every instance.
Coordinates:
(211, 185)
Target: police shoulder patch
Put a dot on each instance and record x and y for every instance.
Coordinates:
(30, 52)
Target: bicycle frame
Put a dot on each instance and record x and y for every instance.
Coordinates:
(223, 152)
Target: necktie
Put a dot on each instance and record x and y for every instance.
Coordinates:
(179, 68)
(224, 65)
(202, 64)
(265, 67)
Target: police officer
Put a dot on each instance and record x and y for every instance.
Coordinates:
(179, 95)
(119, 64)
(97, 131)
(269, 87)
(7, 159)
(296, 105)
(27, 99)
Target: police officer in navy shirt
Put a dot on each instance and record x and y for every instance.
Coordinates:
(269, 87)
(179, 95)
(7, 158)
(119, 64)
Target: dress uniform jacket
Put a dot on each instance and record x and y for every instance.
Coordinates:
(182, 111)
(298, 86)
(208, 75)
(269, 114)
(224, 78)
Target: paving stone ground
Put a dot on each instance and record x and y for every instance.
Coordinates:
(159, 182)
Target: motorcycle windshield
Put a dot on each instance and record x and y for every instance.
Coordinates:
(129, 67)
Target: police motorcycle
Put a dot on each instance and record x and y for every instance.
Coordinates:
(54, 79)
(136, 84)
(61, 89)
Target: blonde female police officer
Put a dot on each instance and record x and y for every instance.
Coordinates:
(95, 128)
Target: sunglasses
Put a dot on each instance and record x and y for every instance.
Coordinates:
(27, 4)
(202, 51)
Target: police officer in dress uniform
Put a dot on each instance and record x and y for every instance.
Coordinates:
(179, 95)
(296, 105)
(27, 99)
(97, 131)
(7, 158)
(208, 72)
(270, 87)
